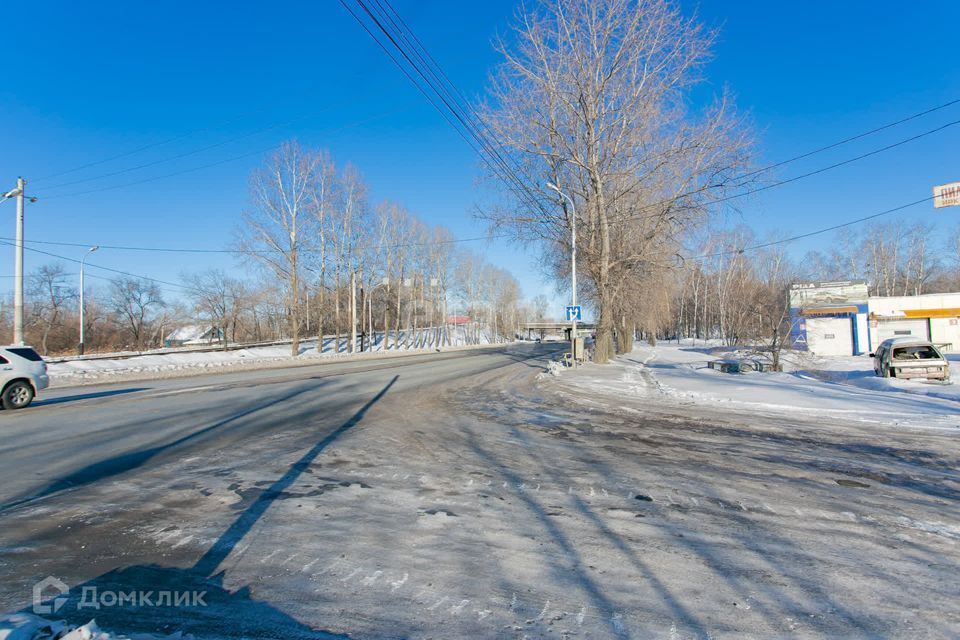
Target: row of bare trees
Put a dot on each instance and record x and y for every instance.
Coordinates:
(325, 262)
(134, 314)
(127, 313)
(895, 258)
(342, 264)
(742, 297)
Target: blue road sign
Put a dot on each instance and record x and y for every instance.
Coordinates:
(573, 313)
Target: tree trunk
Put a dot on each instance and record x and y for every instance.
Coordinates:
(294, 317)
(396, 336)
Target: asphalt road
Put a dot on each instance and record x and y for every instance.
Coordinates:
(463, 495)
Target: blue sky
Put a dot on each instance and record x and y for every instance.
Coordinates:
(83, 82)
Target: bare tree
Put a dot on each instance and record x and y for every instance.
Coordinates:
(218, 298)
(133, 301)
(49, 296)
(593, 99)
(277, 226)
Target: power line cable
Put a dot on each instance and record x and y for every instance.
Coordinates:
(470, 135)
(634, 216)
(161, 142)
(182, 155)
(479, 125)
(203, 166)
(243, 251)
(117, 271)
(850, 139)
(397, 21)
(385, 5)
(809, 234)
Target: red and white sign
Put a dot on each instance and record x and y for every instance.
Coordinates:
(946, 195)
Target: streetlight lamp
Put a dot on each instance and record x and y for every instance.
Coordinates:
(82, 260)
(573, 266)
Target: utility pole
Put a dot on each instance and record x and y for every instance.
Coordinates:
(18, 269)
(573, 267)
(353, 312)
(82, 260)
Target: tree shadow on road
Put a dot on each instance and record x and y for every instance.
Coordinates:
(131, 460)
(223, 613)
(88, 396)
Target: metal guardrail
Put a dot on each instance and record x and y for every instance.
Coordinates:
(123, 355)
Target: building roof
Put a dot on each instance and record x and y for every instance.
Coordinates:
(189, 332)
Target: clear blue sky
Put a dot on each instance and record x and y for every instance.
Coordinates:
(86, 81)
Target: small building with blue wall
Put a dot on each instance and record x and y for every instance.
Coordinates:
(830, 318)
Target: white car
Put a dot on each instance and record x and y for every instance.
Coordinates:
(23, 373)
(907, 357)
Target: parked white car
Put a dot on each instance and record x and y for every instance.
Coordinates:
(908, 357)
(23, 373)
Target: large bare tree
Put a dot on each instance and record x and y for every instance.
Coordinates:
(278, 225)
(134, 302)
(50, 296)
(593, 97)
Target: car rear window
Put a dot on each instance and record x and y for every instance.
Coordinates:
(26, 352)
(919, 352)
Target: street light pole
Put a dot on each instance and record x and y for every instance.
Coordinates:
(82, 260)
(573, 266)
(18, 269)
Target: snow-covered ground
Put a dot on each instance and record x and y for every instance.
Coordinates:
(827, 387)
(86, 370)
(23, 626)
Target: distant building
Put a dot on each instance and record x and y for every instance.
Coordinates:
(194, 334)
(933, 316)
(838, 318)
(829, 318)
(458, 320)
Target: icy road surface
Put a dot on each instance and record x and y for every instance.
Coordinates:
(459, 496)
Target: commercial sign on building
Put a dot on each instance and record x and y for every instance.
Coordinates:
(946, 195)
(811, 295)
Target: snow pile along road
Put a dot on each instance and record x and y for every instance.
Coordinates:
(841, 387)
(81, 370)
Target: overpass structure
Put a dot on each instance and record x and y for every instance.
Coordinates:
(554, 327)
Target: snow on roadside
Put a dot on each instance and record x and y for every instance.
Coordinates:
(74, 371)
(25, 626)
(818, 387)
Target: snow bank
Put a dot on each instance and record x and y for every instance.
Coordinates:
(821, 387)
(24, 626)
(72, 371)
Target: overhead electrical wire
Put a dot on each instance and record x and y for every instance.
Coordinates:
(203, 166)
(180, 155)
(448, 93)
(850, 139)
(466, 129)
(166, 141)
(778, 183)
(809, 234)
(117, 271)
(308, 251)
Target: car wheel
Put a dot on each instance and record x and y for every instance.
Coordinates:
(17, 395)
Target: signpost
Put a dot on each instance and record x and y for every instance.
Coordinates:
(946, 195)
(574, 315)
